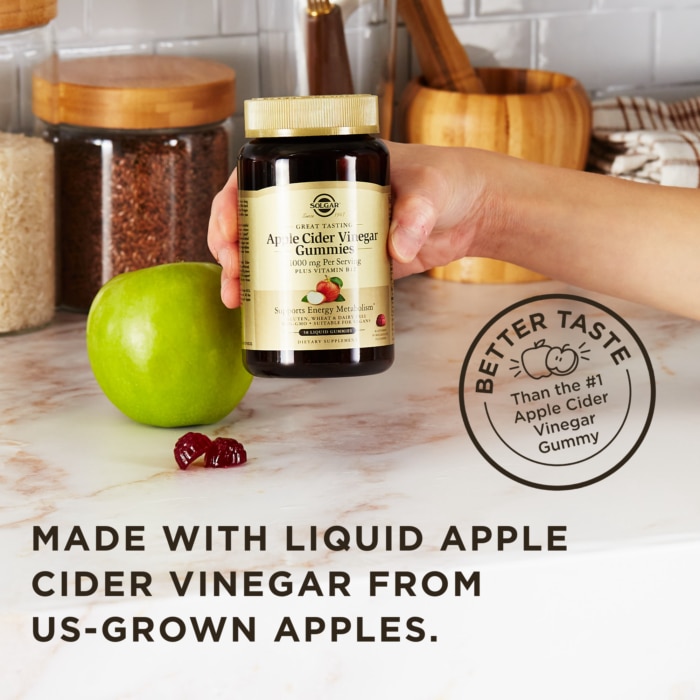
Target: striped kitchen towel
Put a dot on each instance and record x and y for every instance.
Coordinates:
(640, 138)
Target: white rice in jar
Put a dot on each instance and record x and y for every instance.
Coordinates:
(27, 233)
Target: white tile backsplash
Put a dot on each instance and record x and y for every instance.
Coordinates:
(83, 50)
(239, 16)
(506, 43)
(238, 52)
(455, 7)
(647, 4)
(644, 44)
(678, 56)
(599, 49)
(507, 7)
(71, 22)
(129, 19)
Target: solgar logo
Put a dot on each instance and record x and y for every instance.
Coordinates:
(324, 205)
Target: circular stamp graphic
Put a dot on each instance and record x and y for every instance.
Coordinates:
(557, 392)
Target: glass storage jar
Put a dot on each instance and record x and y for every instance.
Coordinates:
(320, 47)
(143, 144)
(27, 219)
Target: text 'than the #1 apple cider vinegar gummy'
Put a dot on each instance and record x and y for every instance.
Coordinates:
(314, 209)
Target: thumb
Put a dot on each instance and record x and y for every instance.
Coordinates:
(413, 219)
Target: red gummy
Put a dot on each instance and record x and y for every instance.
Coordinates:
(225, 452)
(189, 447)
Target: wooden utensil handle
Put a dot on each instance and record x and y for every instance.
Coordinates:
(444, 62)
(327, 55)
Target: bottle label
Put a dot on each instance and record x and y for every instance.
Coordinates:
(315, 271)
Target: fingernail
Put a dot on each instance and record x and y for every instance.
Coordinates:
(225, 284)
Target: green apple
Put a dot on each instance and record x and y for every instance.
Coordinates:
(164, 348)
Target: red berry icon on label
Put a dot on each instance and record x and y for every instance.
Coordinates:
(381, 320)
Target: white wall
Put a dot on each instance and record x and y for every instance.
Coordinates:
(635, 45)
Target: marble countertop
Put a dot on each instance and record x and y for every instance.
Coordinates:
(614, 615)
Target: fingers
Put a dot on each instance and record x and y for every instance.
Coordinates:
(222, 238)
(230, 276)
(419, 192)
(223, 219)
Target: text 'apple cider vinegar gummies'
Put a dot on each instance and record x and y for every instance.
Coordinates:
(314, 209)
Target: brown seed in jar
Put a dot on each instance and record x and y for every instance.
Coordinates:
(133, 200)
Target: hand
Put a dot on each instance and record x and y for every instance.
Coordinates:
(432, 214)
(626, 239)
(222, 238)
(435, 212)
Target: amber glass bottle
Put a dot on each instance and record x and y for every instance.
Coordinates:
(316, 286)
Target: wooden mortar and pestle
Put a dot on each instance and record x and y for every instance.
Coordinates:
(537, 115)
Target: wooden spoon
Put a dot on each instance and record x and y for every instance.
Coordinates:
(444, 62)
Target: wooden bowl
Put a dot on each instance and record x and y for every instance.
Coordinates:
(533, 114)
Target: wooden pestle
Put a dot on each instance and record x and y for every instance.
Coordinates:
(327, 53)
(444, 62)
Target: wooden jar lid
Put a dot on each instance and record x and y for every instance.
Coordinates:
(23, 14)
(134, 92)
